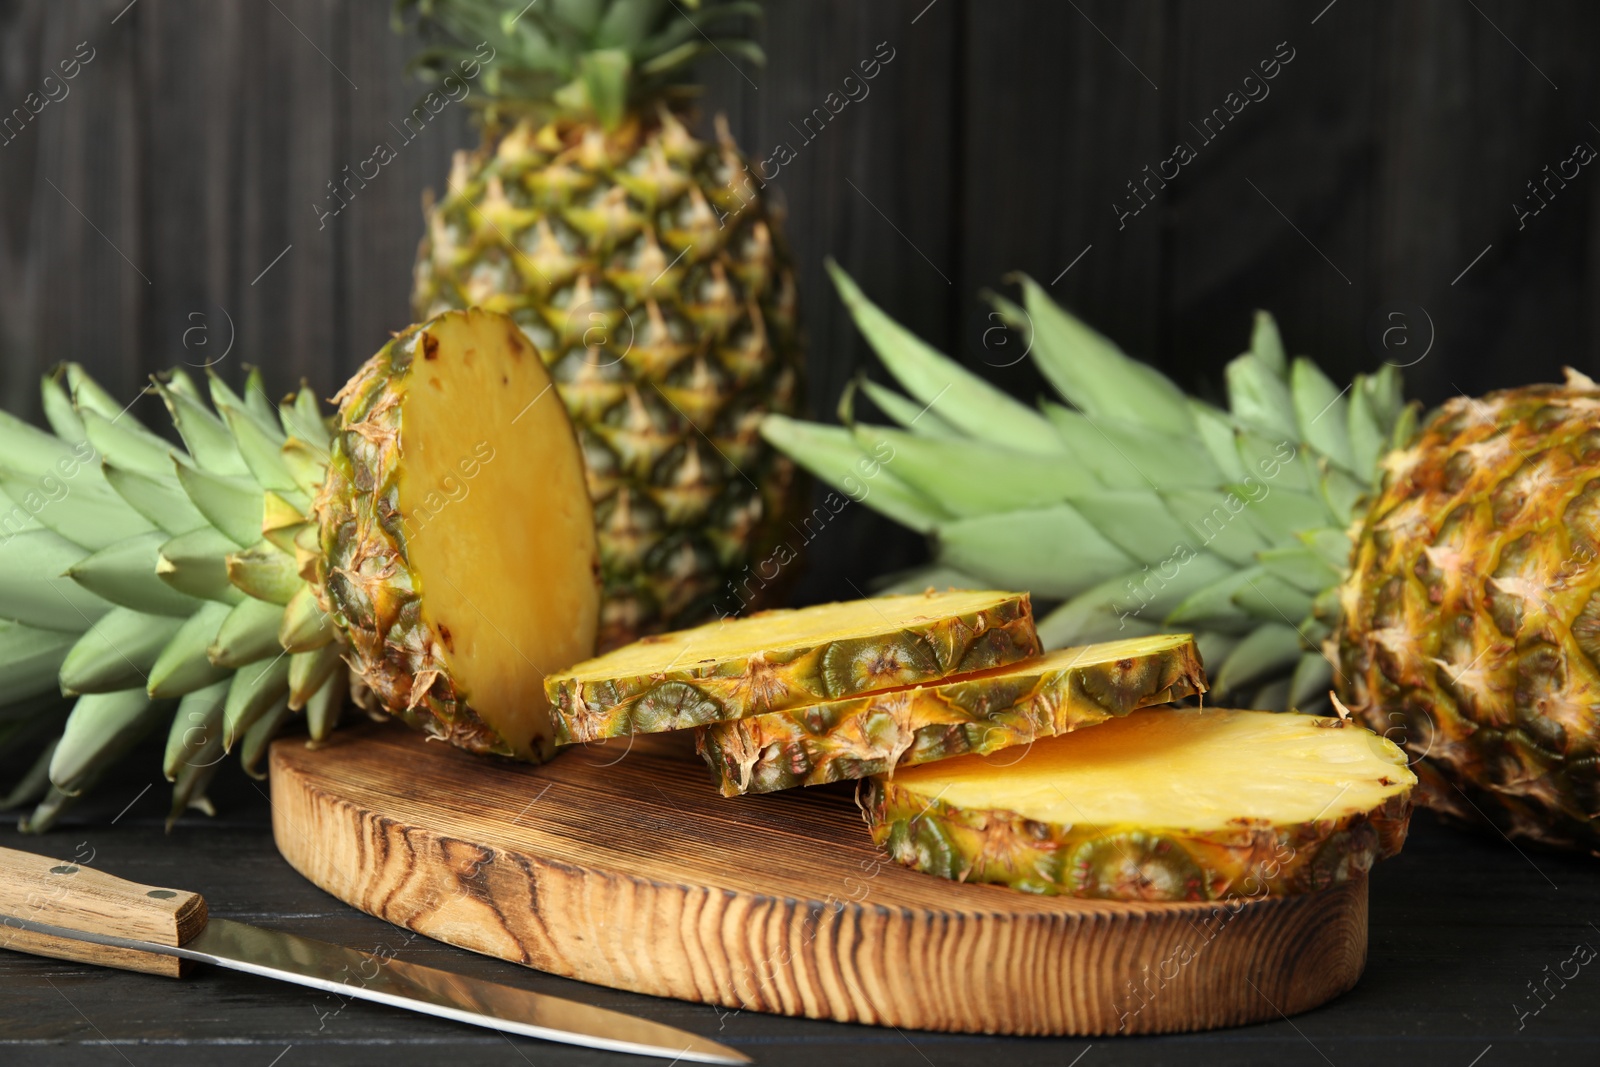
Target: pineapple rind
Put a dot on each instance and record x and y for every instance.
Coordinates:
(1253, 858)
(1468, 628)
(675, 697)
(874, 734)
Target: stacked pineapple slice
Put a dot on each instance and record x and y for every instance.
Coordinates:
(977, 757)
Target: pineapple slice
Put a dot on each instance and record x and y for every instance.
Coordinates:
(775, 660)
(458, 542)
(1165, 804)
(978, 713)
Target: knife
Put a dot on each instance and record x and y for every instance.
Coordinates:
(68, 911)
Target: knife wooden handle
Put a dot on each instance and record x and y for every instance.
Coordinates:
(58, 893)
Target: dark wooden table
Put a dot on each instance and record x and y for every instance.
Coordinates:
(1463, 927)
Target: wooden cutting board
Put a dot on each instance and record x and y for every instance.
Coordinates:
(619, 864)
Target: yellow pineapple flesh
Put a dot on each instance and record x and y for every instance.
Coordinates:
(1164, 804)
(459, 542)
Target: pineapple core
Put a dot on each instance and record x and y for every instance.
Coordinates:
(1179, 768)
(499, 529)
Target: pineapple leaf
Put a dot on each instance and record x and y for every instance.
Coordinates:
(260, 735)
(1122, 453)
(196, 730)
(26, 449)
(30, 659)
(1266, 344)
(87, 395)
(204, 435)
(1128, 604)
(196, 563)
(1283, 513)
(1367, 437)
(1212, 518)
(85, 512)
(183, 666)
(232, 505)
(34, 589)
(1268, 597)
(159, 499)
(1320, 409)
(831, 453)
(308, 671)
(58, 410)
(907, 413)
(1052, 552)
(124, 573)
(1268, 649)
(1138, 522)
(117, 652)
(248, 634)
(1300, 566)
(100, 730)
(1311, 678)
(1217, 433)
(969, 478)
(1093, 373)
(1212, 605)
(1260, 399)
(1330, 543)
(964, 399)
(251, 692)
(127, 444)
(1341, 492)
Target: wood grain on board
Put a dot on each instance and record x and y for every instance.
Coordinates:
(619, 864)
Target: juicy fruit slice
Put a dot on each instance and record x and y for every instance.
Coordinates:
(458, 535)
(974, 714)
(1165, 804)
(784, 659)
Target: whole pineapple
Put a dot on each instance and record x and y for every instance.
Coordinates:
(644, 265)
(1444, 580)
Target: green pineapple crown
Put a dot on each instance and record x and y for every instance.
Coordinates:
(582, 58)
(1134, 507)
(148, 584)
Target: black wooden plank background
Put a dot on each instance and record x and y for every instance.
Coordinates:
(163, 210)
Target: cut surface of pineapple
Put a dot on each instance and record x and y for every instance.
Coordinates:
(999, 708)
(783, 659)
(1165, 804)
(478, 574)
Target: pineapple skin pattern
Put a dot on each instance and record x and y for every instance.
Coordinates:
(679, 697)
(1254, 859)
(649, 272)
(1470, 620)
(877, 733)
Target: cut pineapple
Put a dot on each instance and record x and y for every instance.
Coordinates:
(459, 540)
(1165, 804)
(784, 659)
(997, 708)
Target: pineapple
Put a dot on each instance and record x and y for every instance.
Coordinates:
(1163, 804)
(781, 659)
(646, 267)
(976, 713)
(1440, 579)
(439, 539)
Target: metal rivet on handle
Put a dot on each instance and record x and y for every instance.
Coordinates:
(65, 868)
(161, 894)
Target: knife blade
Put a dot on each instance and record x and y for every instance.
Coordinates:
(93, 909)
